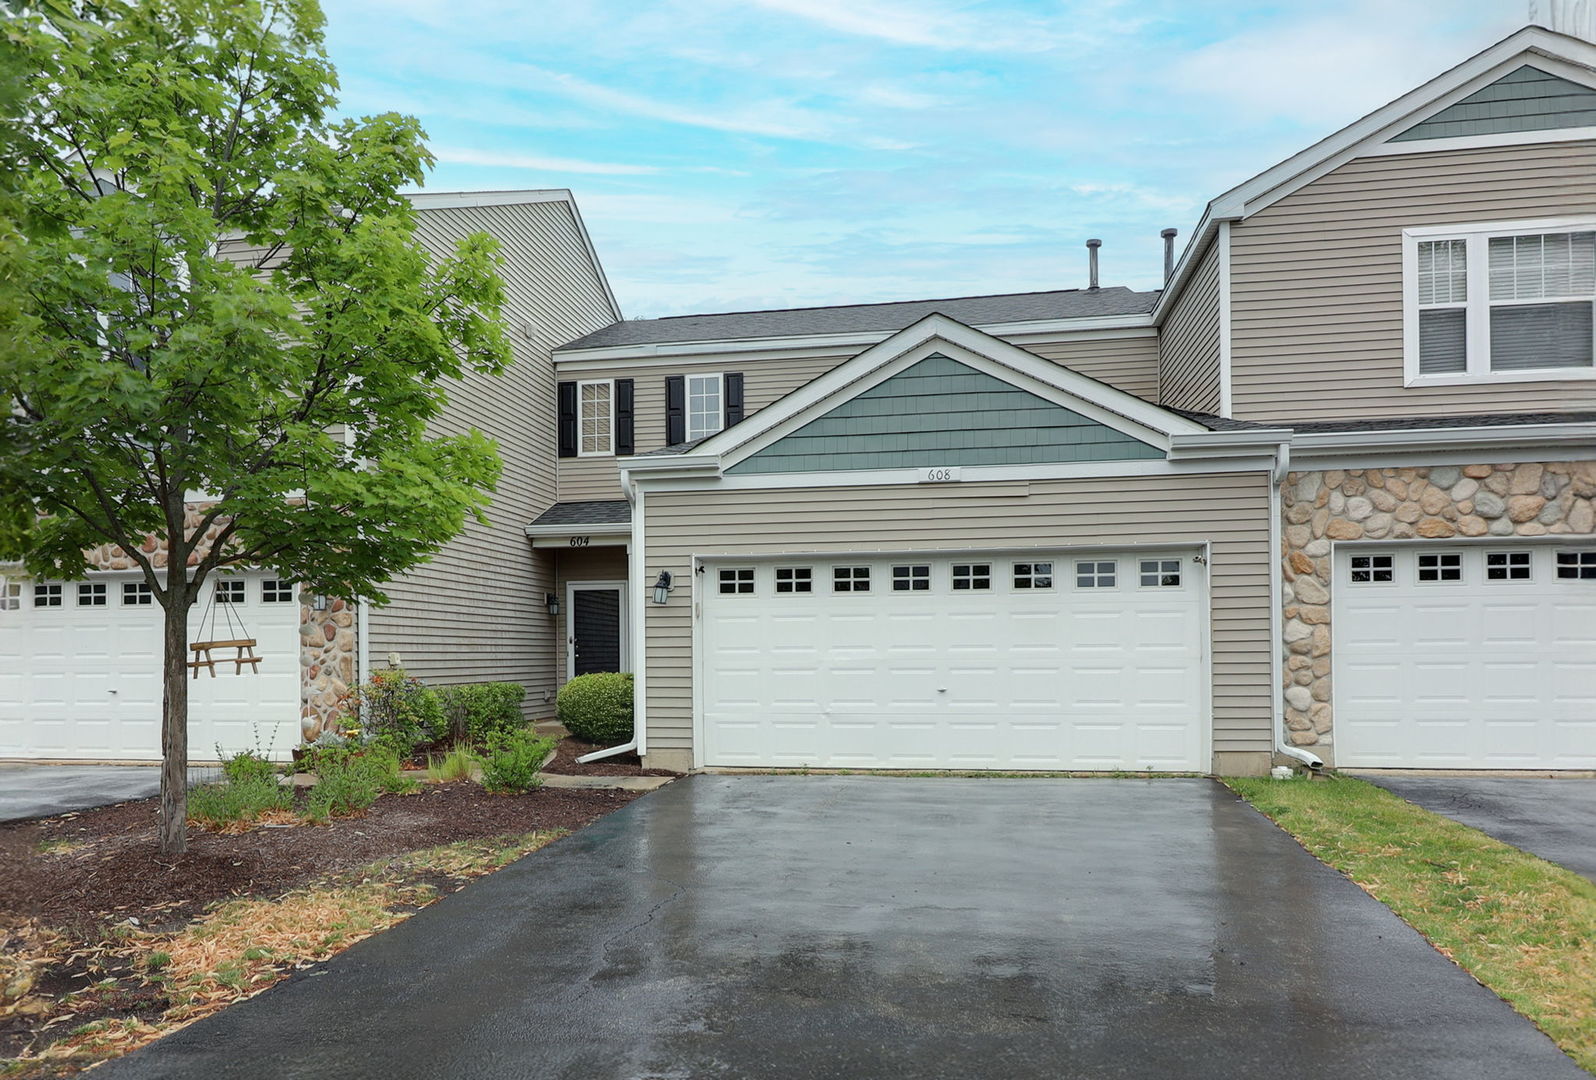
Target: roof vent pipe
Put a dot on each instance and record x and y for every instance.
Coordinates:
(1169, 253)
(1091, 273)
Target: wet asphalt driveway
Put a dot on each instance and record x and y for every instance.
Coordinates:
(881, 927)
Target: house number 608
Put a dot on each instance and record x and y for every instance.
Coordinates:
(579, 541)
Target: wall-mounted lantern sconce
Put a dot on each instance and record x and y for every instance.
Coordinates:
(552, 602)
(319, 602)
(662, 587)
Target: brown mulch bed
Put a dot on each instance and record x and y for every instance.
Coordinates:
(122, 873)
(571, 748)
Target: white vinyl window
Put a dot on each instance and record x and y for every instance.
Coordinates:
(1507, 566)
(1495, 303)
(1576, 565)
(1033, 575)
(973, 577)
(912, 578)
(595, 418)
(91, 594)
(737, 582)
(1373, 569)
(1095, 575)
(794, 579)
(1445, 566)
(137, 594)
(706, 412)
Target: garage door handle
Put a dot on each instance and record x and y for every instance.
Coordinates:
(940, 690)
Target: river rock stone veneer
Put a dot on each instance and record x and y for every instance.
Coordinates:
(1439, 502)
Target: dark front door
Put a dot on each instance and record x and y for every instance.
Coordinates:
(596, 630)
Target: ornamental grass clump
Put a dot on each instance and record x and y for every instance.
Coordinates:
(597, 708)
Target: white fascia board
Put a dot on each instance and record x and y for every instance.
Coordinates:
(445, 200)
(1568, 55)
(609, 528)
(1558, 437)
(1210, 445)
(709, 347)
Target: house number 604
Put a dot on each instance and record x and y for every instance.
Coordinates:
(579, 541)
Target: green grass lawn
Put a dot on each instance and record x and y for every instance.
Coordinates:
(1524, 927)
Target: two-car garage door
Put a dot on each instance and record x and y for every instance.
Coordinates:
(1465, 657)
(968, 661)
(80, 670)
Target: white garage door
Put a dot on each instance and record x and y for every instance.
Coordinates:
(80, 670)
(1477, 657)
(1036, 661)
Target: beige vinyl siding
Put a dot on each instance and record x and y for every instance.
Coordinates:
(1124, 359)
(580, 564)
(1189, 346)
(476, 611)
(764, 381)
(1231, 510)
(1316, 281)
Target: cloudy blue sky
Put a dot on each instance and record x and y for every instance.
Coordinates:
(732, 154)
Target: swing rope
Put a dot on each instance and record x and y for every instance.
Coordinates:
(243, 646)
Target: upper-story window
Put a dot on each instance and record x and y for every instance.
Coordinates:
(595, 418)
(1496, 303)
(706, 413)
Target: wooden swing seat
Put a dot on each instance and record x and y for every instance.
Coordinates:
(244, 653)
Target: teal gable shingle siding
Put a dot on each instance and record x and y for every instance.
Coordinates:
(1527, 99)
(941, 412)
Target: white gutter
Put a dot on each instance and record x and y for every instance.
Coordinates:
(1276, 602)
(1451, 438)
(608, 530)
(637, 595)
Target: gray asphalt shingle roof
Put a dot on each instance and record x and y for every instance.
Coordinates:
(871, 318)
(596, 512)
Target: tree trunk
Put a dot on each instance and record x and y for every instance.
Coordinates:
(174, 719)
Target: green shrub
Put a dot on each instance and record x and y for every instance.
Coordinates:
(475, 712)
(396, 709)
(457, 764)
(348, 782)
(248, 766)
(237, 800)
(597, 708)
(512, 762)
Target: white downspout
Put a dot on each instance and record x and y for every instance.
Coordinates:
(636, 596)
(1282, 743)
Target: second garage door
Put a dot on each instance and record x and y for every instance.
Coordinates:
(988, 661)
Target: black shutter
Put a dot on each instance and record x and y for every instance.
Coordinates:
(624, 446)
(567, 424)
(675, 409)
(734, 397)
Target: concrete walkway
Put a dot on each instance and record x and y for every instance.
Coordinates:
(1555, 819)
(882, 927)
(35, 791)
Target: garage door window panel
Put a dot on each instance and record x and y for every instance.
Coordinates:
(1033, 575)
(137, 594)
(1101, 574)
(1160, 573)
(794, 579)
(10, 595)
(972, 577)
(911, 578)
(230, 592)
(1371, 569)
(46, 596)
(1577, 565)
(850, 579)
(1441, 567)
(1508, 566)
(738, 582)
(91, 594)
(275, 591)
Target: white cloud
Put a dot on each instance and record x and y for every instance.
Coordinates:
(455, 155)
(929, 25)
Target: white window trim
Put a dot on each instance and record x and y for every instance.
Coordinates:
(609, 385)
(1477, 237)
(687, 404)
